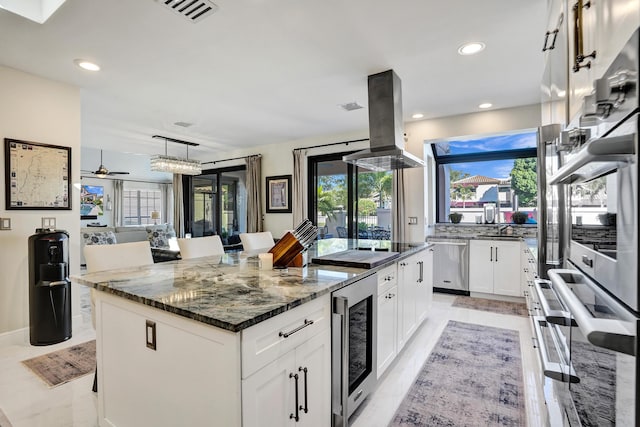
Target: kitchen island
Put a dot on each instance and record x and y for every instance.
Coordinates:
(190, 342)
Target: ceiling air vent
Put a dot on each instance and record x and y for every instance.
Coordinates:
(193, 10)
(350, 106)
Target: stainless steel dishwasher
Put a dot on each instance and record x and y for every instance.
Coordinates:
(451, 265)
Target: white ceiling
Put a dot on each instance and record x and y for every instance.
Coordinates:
(259, 72)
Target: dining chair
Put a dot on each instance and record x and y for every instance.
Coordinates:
(200, 246)
(110, 257)
(255, 241)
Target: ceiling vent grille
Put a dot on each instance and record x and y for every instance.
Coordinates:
(350, 106)
(193, 10)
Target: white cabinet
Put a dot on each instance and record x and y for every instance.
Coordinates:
(529, 266)
(616, 20)
(494, 267)
(152, 363)
(554, 80)
(294, 389)
(286, 368)
(581, 73)
(415, 293)
(387, 318)
(606, 26)
(424, 284)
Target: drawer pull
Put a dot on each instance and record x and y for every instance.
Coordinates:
(288, 334)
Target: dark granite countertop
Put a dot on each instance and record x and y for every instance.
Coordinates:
(229, 291)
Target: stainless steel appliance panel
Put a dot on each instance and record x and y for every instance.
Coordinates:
(552, 234)
(604, 351)
(451, 265)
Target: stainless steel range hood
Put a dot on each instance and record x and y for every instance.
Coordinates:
(386, 130)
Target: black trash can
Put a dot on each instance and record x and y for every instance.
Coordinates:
(49, 287)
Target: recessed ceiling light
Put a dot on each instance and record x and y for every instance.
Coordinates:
(87, 65)
(471, 48)
(485, 105)
(418, 116)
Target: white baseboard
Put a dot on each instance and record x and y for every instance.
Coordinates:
(21, 336)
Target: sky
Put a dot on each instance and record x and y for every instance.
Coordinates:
(475, 144)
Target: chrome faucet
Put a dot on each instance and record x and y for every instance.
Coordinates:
(502, 228)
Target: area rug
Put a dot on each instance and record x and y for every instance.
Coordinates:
(64, 365)
(4, 421)
(473, 377)
(495, 306)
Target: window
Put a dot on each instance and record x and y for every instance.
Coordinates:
(477, 170)
(138, 204)
(348, 201)
(218, 204)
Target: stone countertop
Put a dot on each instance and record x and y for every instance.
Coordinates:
(229, 291)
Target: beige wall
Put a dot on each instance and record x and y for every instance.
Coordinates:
(38, 110)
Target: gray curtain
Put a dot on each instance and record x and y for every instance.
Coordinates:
(299, 190)
(118, 201)
(254, 194)
(167, 203)
(178, 205)
(397, 212)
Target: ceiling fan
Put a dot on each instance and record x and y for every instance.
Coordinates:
(103, 172)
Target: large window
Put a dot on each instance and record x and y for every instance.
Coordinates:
(348, 201)
(490, 169)
(139, 201)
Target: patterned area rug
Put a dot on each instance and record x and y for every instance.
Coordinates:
(473, 377)
(495, 306)
(64, 365)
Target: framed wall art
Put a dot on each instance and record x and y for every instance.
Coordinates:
(279, 194)
(91, 201)
(37, 176)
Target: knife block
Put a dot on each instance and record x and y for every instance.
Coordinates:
(286, 250)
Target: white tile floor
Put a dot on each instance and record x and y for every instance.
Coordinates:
(27, 402)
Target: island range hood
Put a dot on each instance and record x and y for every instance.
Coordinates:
(386, 129)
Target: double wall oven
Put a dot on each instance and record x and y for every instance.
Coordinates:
(587, 314)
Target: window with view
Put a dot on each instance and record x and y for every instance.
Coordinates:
(477, 170)
(138, 205)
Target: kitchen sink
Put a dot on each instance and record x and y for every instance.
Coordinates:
(498, 236)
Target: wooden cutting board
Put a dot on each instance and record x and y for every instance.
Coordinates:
(356, 258)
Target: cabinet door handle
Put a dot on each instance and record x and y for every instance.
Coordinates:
(421, 278)
(305, 408)
(546, 40)
(553, 41)
(288, 334)
(491, 258)
(578, 37)
(496, 254)
(297, 414)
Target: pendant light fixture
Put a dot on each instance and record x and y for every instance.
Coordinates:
(178, 165)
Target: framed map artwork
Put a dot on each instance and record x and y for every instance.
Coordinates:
(37, 176)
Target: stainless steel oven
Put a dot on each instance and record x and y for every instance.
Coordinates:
(353, 347)
(603, 352)
(551, 324)
(601, 175)
(598, 286)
